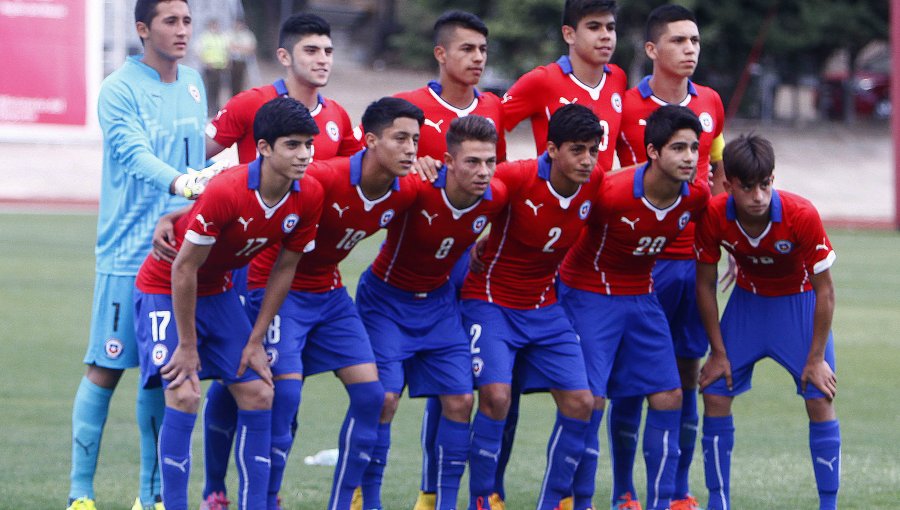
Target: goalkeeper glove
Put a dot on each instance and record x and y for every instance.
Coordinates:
(191, 184)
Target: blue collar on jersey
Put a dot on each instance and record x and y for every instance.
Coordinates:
(544, 165)
(566, 65)
(356, 170)
(646, 91)
(776, 210)
(436, 87)
(639, 182)
(281, 89)
(253, 175)
(441, 182)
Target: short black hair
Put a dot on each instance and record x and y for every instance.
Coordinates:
(145, 10)
(282, 116)
(382, 113)
(665, 121)
(750, 158)
(573, 123)
(470, 128)
(576, 10)
(660, 17)
(299, 26)
(451, 20)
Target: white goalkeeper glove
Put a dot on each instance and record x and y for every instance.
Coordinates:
(191, 184)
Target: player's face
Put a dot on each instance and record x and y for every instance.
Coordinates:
(464, 56)
(310, 60)
(678, 49)
(594, 39)
(472, 165)
(678, 157)
(289, 156)
(396, 148)
(575, 160)
(169, 31)
(752, 201)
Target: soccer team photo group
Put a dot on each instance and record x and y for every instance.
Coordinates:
(634, 269)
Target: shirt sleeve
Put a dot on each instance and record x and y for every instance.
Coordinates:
(231, 122)
(706, 238)
(302, 238)
(818, 254)
(351, 143)
(521, 100)
(210, 214)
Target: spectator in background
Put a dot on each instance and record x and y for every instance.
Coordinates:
(214, 56)
(241, 51)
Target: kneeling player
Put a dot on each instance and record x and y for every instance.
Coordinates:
(241, 212)
(781, 308)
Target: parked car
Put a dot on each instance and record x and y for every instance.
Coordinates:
(870, 87)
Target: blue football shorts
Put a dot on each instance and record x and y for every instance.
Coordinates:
(675, 285)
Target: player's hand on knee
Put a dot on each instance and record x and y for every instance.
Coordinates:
(716, 367)
(821, 376)
(182, 367)
(427, 168)
(254, 357)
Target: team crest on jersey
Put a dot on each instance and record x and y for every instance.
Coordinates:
(333, 132)
(159, 354)
(195, 92)
(113, 348)
(289, 223)
(477, 365)
(617, 102)
(386, 217)
(272, 355)
(784, 246)
(684, 219)
(584, 210)
(706, 121)
(479, 224)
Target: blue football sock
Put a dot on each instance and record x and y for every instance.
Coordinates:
(687, 440)
(149, 410)
(374, 473)
(661, 456)
(452, 443)
(430, 420)
(89, 413)
(252, 447)
(583, 484)
(284, 408)
(825, 448)
(506, 444)
(359, 434)
(483, 453)
(564, 451)
(175, 457)
(624, 422)
(219, 421)
(718, 441)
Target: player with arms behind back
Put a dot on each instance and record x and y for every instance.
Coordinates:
(781, 308)
(191, 324)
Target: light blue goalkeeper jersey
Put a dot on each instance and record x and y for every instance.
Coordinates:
(152, 131)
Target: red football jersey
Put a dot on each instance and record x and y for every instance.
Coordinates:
(543, 90)
(439, 114)
(616, 252)
(234, 124)
(778, 262)
(422, 247)
(638, 105)
(530, 237)
(232, 217)
(347, 218)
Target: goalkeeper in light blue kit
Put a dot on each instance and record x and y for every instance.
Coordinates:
(152, 112)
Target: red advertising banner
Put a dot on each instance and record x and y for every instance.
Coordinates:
(44, 62)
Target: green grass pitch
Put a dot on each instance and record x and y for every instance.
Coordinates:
(46, 277)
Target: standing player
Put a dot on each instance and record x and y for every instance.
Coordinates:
(151, 111)
(242, 212)
(673, 44)
(510, 308)
(781, 308)
(584, 76)
(410, 307)
(628, 348)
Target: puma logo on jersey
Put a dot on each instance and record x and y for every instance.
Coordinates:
(729, 245)
(642, 122)
(428, 217)
(628, 222)
(181, 466)
(435, 125)
(534, 208)
(205, 223)
(828, 463)
(506, 97)
(339, 210)
(563, 100)
(244, 222)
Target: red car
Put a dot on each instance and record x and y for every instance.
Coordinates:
(871, 89)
